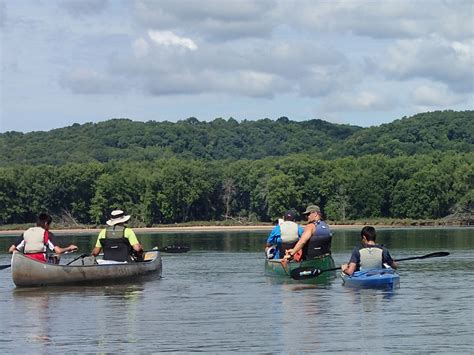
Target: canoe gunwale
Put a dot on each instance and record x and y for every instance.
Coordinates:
(274, 267)
(27, 272)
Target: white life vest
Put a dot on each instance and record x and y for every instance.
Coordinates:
(370, 258)
(289, 232)
(34, 240)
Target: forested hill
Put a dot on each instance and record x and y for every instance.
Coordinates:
(123, 139)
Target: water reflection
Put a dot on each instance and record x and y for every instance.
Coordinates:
(37, 324)
(217, 299)
(344, 240)
(369, 299)
(46, 312)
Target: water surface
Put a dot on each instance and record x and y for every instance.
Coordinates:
(216, 298)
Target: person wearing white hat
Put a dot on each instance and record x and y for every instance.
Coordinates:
(117, 240)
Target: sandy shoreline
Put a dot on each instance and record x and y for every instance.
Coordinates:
(182, 229)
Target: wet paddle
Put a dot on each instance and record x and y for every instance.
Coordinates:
(305, 273)
(432, 255)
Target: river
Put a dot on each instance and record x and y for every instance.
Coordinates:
(216, 298)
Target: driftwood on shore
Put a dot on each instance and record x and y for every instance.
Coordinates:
(459, 219)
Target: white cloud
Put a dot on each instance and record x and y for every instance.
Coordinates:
(350, 59)
(432, 58)
(89, 82)
(364, 100)
(168, 38)
(434, 96)
(395, 19)
(212, 19)
(253, 84)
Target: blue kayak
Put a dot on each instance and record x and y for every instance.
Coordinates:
(376, 278)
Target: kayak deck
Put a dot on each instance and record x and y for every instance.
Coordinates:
(376, 278)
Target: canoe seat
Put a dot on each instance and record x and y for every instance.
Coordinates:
(148, 256)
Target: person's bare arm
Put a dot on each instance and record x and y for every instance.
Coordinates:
(137, 247)
(59, 250)
(307, 233)
(349, 269)
(96, 251)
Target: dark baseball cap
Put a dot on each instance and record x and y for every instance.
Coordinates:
(311, 209)
(289, 215)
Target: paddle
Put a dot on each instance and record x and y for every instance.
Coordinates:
(305, 273)
(432, 255)
(79, 257)
(175, 249)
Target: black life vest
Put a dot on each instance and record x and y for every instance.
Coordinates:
(320, 242)
(116, 246)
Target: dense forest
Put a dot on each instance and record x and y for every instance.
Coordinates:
(416, 167)
(123, 139)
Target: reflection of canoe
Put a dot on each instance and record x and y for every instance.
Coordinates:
(274, 267)
(29, 272)
(377, 278)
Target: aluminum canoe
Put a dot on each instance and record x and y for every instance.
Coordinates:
(27, 272)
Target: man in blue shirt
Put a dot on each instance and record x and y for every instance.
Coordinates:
(369, 255)
(283, 236)
(316, 238)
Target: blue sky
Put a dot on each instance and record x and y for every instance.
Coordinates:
(358, 62)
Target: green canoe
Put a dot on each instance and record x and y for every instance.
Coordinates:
(274, 267)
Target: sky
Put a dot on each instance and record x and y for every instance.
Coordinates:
(362, 63)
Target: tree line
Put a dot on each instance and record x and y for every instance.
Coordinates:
(220, 139)
(177, 189)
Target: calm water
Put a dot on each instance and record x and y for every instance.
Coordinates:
(216, 298)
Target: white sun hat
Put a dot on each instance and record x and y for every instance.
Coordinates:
(116, 217)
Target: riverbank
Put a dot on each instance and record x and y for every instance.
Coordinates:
(216, 228)
(174, 229)
(63, 227)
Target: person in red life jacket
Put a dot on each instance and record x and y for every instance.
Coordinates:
(316, 238)
(35, 241)
(369, 255)
(118, 241)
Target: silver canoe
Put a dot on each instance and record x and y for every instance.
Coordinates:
(28, 272)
